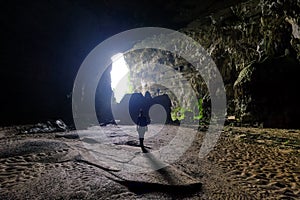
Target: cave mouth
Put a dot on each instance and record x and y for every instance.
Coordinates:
(119, 77)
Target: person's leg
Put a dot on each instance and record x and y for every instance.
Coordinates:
(141, 137)
(142, 142)
(142, 145)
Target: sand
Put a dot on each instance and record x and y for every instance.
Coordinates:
(104, 163)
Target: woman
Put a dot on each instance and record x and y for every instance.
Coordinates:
(141, 128)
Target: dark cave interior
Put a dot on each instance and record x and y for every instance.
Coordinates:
(44, 43)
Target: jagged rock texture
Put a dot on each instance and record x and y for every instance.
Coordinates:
(256, 48)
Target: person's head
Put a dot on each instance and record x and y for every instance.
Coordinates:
(147, 94)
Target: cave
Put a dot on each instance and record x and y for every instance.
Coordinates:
(68, 128)
(243, 44)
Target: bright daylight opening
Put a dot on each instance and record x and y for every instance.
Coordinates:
(119, 76)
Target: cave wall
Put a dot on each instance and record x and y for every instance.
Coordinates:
(103, 98)
(255, 45)
(44, 43)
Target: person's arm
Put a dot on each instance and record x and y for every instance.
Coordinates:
(137, 123)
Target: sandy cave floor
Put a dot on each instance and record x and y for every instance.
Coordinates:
(107, 163)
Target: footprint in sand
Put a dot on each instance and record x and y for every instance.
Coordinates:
(28, 160)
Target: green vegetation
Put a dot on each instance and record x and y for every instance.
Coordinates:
(179, 112)
(200, 109)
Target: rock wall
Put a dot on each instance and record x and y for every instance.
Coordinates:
(127, 111)
(161, 72)
(45, 42)
(255, 46)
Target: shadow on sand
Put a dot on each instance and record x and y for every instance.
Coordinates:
(173, 187)
(139, 187)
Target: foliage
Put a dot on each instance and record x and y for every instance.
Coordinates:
(178, 113)
(200, 109)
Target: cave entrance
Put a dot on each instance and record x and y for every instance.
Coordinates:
(119, 77)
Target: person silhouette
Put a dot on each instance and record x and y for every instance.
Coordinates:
(141, 128)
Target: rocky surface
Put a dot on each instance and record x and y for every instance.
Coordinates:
(246, 163)
(255, 45)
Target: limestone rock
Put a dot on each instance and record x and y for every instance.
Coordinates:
(243, 41)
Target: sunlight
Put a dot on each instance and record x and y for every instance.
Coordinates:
(119, 76)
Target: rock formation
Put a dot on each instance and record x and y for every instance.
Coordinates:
(255, 46)
(127, 111)
(254, 43)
